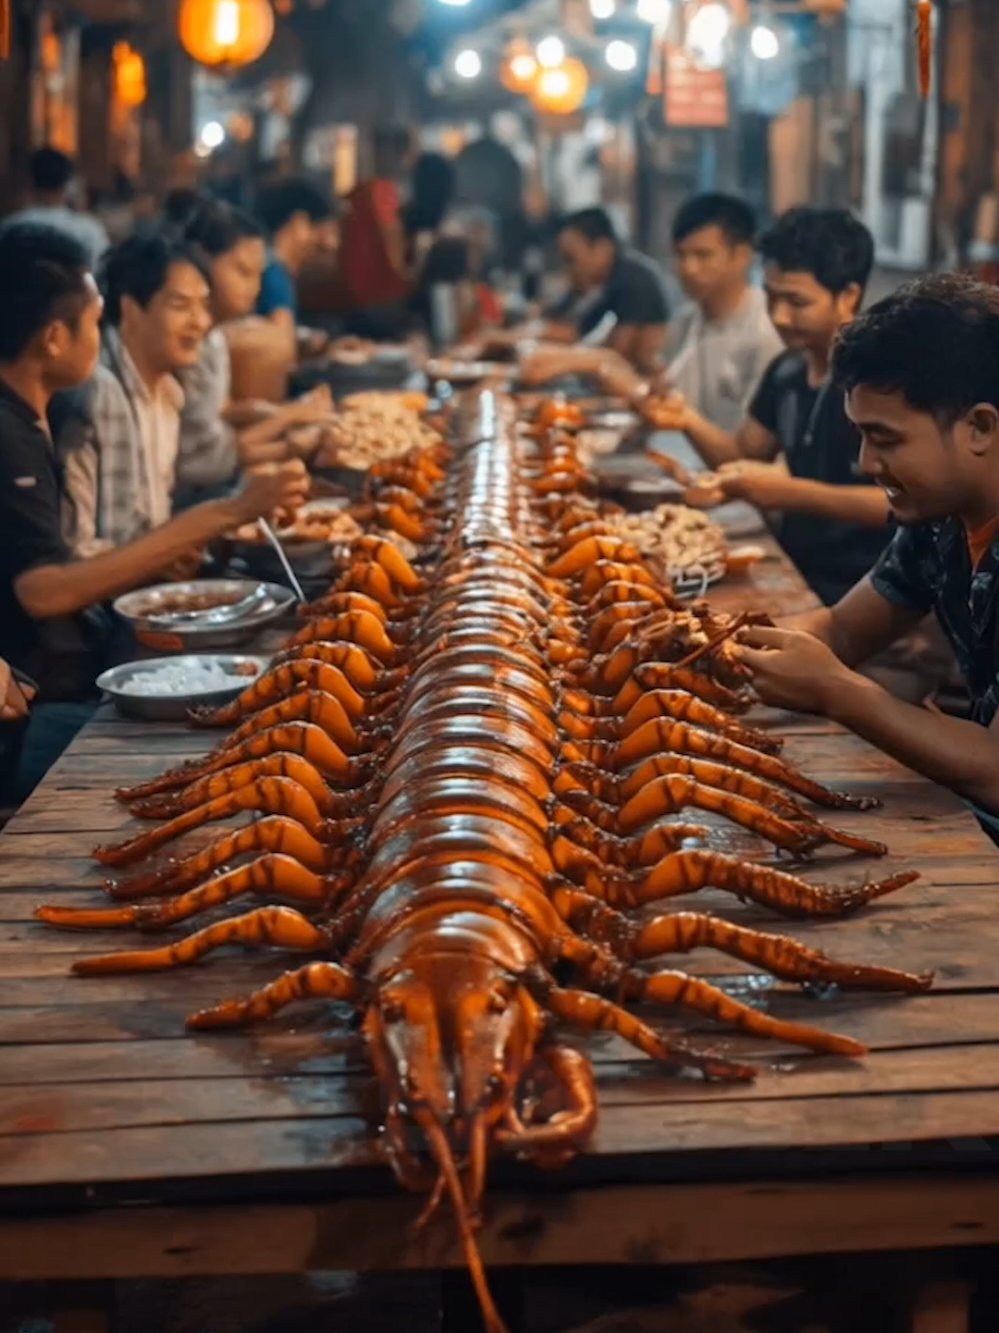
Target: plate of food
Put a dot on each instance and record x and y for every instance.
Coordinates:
(203, 613)
(166, 689)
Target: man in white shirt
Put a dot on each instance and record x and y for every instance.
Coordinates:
(722, 340)
(118, 438)
(52, 175)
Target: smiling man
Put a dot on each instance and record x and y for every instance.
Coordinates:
(921, 374)
(795, 453)
(119, 437)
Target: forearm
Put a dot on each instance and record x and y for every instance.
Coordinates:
(849, 504)
(716, 446)
(61, 590)
(960, 755)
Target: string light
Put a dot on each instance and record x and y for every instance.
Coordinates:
(603, 9)
(764, 42)
(468, 64)
(621, 56)
(655, 12)
(551, 52)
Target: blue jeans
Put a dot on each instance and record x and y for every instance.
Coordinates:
(50, 729)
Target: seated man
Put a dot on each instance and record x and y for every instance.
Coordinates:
(722, 340)
(52, 625)
(921, 375)
(118, 437)
(796, 452)
(297, 217)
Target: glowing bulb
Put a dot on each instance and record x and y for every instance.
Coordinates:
(709, 27)
(764, 43)
(523, 67)
(227, 23)
(551, 52)
(468, 64)
(621, 56)
(458, 4)
(212, 135)
(603, 9)
(653, 11)
(553, 83)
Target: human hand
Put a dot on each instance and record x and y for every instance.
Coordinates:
(542, 364)
(269, 488)
(765, 485)
(184, 567)
(791, 669)
(312, 407)
(666, 410)
(14, 697)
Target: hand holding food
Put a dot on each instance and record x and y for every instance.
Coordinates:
(667, 410)
(271, 488)
(765, 485)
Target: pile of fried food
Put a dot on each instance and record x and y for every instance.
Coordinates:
(369, 427)
(475, 772)
(683, 539)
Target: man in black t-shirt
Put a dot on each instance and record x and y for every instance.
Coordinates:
(51, 623)
(608, 279)
(796, 452)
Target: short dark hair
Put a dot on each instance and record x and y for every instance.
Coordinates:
(829, 243)
(50, 170)
(179, 207)
(279, 204)
(592, 223)
(138, 268)
(216, 228)
(731, 215)
(42, 278)
(935, 341)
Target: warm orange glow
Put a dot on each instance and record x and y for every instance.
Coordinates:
(225, 32)
(129, 75)
(519, 67)
(561, 90)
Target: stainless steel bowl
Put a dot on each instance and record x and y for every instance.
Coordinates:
(175, 707)
(152, 628)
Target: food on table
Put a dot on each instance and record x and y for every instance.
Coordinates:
(186, 676)
(371, 427)
(185, 603)
(474, 769)
(682, 539)
(704, 490)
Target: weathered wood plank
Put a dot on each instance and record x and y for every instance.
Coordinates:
(614, 1224)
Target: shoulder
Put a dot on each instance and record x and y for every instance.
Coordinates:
(276, 290)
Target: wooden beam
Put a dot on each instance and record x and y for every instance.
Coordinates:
(614, 1225)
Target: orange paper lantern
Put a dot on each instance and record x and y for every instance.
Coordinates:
(225, 33)
(561, 90)
(129, 75)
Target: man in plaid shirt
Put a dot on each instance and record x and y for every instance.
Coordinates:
(118, 437)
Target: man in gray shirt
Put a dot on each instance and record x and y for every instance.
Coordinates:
(722, 340)
(51, 176)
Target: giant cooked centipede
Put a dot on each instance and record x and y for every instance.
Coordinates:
(471, 770)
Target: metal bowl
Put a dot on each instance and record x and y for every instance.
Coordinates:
(154, 630)
(175, 707)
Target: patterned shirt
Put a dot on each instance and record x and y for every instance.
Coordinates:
(118, 441)
(207, 452)
(928, 568)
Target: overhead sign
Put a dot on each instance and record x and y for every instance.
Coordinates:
(693, 98)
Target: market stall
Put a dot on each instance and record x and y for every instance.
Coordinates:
(129, 1148)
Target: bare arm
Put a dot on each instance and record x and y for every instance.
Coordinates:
(639, 344)
(716, 446)
(800, 671)
(860, 625)
(771, 486)
(53, 590)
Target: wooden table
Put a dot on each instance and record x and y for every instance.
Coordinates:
(128, 1148)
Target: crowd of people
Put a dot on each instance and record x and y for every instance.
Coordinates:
(127, 443)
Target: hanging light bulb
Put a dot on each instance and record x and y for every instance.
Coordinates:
(764, 42)
(706, 33)
(603, 9)
(551, 52)
(621, 56)
(655, 12)
(468, 64)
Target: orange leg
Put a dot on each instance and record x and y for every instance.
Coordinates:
(279, 926)
(231, 779)
(314, 981)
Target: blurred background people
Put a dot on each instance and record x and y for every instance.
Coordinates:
(52, 178)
